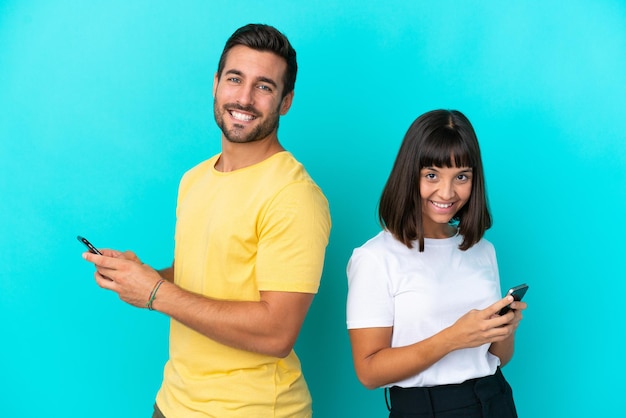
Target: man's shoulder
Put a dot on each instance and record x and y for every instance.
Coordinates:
(287, 164)
(287, 170)
(199, 169)
(203, 165)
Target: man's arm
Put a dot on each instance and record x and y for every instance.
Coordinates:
(168, 273)
(269, 326)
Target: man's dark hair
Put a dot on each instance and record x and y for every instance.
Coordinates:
(440, 138)
(264, 38)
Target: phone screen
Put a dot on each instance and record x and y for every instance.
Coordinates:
(518, 293)
(88, 244)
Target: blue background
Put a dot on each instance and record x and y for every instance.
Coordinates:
(105, 104)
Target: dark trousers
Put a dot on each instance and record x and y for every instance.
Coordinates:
(157, 412)
(485, 397)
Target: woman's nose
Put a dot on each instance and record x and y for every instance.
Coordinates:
(446, 191)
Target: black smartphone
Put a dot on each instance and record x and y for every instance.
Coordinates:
(88, 244)
(518, 293)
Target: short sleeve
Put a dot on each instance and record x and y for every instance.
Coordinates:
(370, 300)
(293, 235)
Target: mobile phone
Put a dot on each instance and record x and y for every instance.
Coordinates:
(518, 293)
(88, 244)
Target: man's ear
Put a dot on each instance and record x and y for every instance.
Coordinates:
(286, 103)
(215, 82)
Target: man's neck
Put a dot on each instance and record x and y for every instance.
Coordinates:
(237, 156)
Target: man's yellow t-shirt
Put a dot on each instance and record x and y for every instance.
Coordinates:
(260, 228)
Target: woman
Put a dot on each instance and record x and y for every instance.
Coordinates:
(424, 294)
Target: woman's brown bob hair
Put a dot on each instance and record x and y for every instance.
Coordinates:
(439, 138)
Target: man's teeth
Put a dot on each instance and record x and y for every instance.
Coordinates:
(442, 205)
(241, 116)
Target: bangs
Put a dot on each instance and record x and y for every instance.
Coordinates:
(445, 147)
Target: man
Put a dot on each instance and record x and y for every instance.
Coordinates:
(251, 232)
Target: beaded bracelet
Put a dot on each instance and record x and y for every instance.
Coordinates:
(153, 294)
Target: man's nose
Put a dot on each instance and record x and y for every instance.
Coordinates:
(245, 95)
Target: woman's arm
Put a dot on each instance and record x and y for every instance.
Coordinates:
(378, 364)
(504, 349)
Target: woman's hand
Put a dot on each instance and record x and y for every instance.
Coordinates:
(478, 327)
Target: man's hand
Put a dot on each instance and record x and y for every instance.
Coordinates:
(124, 274)
(268, 326)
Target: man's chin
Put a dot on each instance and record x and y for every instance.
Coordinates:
(243, 134)
(239, 139)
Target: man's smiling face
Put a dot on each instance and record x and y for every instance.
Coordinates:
(248, 95)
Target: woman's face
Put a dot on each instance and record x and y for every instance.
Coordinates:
(444, 191)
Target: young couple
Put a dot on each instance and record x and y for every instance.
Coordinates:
(251, 232)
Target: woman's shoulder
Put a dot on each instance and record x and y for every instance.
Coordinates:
(483, 248)
(381, 243)
(484, 243)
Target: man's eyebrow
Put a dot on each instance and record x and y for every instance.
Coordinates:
(233, 71)
(267, 80)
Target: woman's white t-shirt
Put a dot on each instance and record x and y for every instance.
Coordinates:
(421, 293)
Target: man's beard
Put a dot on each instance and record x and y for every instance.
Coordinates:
(235, 134)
